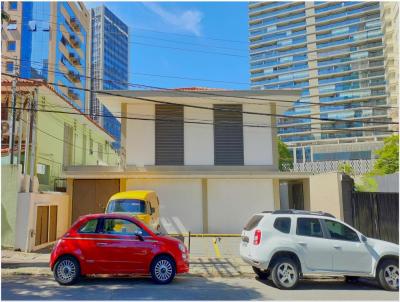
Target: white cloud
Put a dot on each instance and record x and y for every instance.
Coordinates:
(187, 20)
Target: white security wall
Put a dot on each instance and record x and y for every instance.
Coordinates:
(140, 136)
(231, 202)
(199, 139)
(180, 202)
(27, 204)
(257, 141)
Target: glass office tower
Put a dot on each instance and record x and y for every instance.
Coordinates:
(110, 63)
(50, 41)
(333, 53)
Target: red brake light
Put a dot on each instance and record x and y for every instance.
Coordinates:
(257, 237)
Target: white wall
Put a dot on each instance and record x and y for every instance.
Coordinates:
(140, 136)
(199, 139)
(231, 202)
(180, 202)
(26, 216)
(257, 141)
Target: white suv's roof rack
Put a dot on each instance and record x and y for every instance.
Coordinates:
(301, 212)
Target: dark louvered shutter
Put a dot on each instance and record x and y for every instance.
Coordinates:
(169, 135)
(228, 135)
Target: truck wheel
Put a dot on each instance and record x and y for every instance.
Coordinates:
(388, 274)
(285, 273)
(262, 274)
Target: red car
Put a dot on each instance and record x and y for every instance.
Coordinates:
(116, 244)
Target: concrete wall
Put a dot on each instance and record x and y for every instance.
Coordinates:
(10, 180)
(208, 205)
(231, 202)
(26, 217)
(180, 202)
(257, 141)
(140, 136)
(198, 138)
(326, 194)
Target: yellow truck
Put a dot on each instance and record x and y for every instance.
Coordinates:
(144, 205)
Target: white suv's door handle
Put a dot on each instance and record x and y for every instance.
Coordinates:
(337, 246)
(302, 243)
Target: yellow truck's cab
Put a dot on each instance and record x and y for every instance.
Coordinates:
(144, 205)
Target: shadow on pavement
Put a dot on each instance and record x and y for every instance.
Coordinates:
(330, 284)
(124, 288)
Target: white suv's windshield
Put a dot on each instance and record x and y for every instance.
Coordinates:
(126, 206)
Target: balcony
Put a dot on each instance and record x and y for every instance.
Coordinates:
(74, 59)
(73, 76)
(72, 94)
(74, 23)
(74, 41)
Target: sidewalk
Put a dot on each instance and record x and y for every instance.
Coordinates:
(20, 263)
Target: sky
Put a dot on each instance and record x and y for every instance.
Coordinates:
(197, 40)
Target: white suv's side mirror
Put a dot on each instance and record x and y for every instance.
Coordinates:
(363, 238)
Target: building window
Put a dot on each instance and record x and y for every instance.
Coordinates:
(43, 173)
(12, 25)
(13, 5)
(10, 67)
(228, 135)
(169, 135)
(11, 46)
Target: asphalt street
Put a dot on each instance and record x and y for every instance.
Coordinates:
(28, 287)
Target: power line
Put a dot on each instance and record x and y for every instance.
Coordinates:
(208, 92)
(150, 45)
(206, 108)
(132, 29)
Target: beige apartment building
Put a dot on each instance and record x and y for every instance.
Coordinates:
(390, 29)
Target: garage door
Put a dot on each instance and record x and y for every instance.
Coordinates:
(180, 202)
(91, 195)
(231, 202)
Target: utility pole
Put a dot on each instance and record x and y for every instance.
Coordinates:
(13, 119)
(28, 136)
(20, 124)
(33, 151)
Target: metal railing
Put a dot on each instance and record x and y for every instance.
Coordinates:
(360, 166)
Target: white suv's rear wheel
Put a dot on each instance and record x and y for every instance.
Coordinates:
(285, 273)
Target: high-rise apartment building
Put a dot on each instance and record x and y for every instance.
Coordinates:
(390, 28)
(334, 53)
(110, 63)
(50, 41)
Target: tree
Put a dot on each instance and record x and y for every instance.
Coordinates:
(285, 157)
(346, 168)
(367, 183)
(388, 157)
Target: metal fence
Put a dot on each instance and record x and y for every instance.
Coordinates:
(360, 166)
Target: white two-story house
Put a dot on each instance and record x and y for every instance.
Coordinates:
(211, 155)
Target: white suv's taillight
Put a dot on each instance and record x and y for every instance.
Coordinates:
(257, 237)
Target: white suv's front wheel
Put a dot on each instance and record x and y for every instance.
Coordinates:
(388, 274)
(285, 273)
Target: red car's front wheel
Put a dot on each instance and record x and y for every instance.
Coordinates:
(67, 270)
(163, 269)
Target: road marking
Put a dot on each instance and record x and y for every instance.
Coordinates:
(216, 248)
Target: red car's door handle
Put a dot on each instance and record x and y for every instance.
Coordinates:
(101, 244)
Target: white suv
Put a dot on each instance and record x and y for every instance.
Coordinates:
(288, 244)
